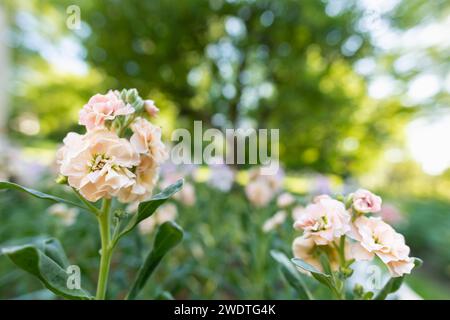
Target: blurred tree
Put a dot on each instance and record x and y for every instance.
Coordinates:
(278, 64)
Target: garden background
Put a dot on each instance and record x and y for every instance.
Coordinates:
(359, 91)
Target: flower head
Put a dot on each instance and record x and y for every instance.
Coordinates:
(102, 107)
(259, 193)
(376, 237)
(365, 201)
(285, 200)
(67, 215)
(274, 221)
(146, 178)
(98, 163)
(324, 221)
(146, 139)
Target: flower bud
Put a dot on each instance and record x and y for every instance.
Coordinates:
(358, 290)
(61, 179)
(150, 107)
(132, 95)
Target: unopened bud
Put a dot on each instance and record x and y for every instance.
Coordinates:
(61, 179)
(132, 95)
(358, 290)
(150, 107)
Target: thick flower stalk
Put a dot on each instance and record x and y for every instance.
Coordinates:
(105, 163)
(116, 161)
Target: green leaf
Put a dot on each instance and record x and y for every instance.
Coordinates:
(291, 275)
(417, 262)
(147, 208)
(169, 234)
(390, 287)
(325, 263)
(165, 295)
(53, 249)
(46, 260)
(319, 276)
(38, 194)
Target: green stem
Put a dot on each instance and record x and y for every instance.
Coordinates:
(343, 265)
(106, 251)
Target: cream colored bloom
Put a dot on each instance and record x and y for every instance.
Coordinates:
(259, 193)
(146, 178)
(285, 200)
(67, 215)
(274, 221)
(146, 139)
(98, 163)
(401, 267)
(324, 221)
(102, 107)
(303, 248)
(376, 237)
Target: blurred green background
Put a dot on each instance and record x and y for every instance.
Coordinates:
(359, 91)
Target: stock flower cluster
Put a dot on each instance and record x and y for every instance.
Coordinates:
(121, 151)
(325, 221)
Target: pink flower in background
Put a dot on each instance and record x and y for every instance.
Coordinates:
(186, 195)
(391, 214)
(365, 201)
(324, 221)
(221, 178)
(274, 221)
(285, 200)
(150, 107)
(166, 212)
(259, 193)
(67, 215)
(376, 237)
(98, 163)
(146, 139)
(101, 108)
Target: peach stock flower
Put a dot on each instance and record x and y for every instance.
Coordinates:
(324, 221)
(147, 173)
(306, 249)
(376, 237)
(365, 201)
(146, 139)
(102, 107)
(303, 248)
(285, 200)
(98, 163)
